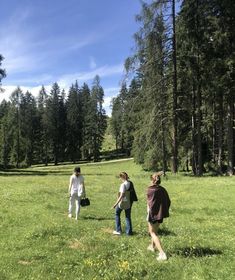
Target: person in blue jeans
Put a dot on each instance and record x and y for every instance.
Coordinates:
(123, 203)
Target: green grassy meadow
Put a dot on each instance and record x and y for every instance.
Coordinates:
(39, 241)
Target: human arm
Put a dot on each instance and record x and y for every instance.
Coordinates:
(120, 197)
(70, 184)
(147, 207)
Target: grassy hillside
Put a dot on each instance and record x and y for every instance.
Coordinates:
(38, 241)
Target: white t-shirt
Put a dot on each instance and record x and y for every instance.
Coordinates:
(76, 184)
(124, 187)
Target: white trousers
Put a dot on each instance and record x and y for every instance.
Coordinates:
(74, 198)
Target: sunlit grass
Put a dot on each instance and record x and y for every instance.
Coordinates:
(38, 241)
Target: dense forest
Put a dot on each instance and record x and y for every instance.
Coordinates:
(53, 127)
(177, 111)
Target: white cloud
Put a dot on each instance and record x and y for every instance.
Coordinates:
(107, 107)
(8, 90)
(103, 71)
(78, 44)
(92, 63)
(110, 93)
(39, 80)
(26, 50)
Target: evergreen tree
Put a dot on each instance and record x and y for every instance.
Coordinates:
(151, 134)
(97, 119)
(87, 126)
(28, 116)
(43, 143)
(116, 120)
(2, 71)
(16, 153)
(124, 114)
(55, 127)
(5, 134)
(74, 123)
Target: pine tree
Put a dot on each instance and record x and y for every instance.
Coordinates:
(28, 115)
(87, 127)
(150, 137)
(5, 134)
(98, 119)
(74, 123)
(2, 71)
(16, 153)
(53, 121)
(43, 143)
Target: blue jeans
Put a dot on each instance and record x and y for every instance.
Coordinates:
(128, 220)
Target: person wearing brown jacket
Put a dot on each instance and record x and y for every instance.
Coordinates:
(158, 203)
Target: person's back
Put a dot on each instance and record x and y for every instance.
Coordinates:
(77, 184)
(158, 201)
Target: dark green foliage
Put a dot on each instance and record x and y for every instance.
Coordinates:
(2, 71)
(42, 143)
(97, 118)
(28, 123)
(74, 123)
(186, 93)
(53, 128)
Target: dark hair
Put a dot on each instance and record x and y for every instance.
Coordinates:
(77, 169)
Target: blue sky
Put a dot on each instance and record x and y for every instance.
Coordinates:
(45, 41)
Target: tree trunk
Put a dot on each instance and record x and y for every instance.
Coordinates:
(230, 112)
(198, 129)
(194, 150)
(220, 132)
(198, 103)
(175, 95)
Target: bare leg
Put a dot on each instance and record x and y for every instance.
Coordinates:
(155, 240)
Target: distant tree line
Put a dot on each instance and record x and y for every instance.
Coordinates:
(52, 127)
(178, 110)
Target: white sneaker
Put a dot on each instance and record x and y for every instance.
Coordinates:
(70, 215)
(116, 232)
(150, 248)
(162, 257)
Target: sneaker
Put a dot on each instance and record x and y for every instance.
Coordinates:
(162, 257)
(116, 232)
(150, 248)
(70, 215)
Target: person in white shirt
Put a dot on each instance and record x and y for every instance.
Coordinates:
(76, 191)
(123, 203)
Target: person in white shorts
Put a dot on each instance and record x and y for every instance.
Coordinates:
(76, 191)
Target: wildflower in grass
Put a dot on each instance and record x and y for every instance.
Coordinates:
(88, 262)
(123, 265)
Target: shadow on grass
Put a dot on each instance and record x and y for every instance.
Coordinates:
(161, 232)
(196, 252)
(97, 218)
(20, 172)
(205, 174)
(166, 232)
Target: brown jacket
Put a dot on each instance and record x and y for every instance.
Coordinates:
(158, 201)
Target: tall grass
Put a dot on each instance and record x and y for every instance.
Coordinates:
(38, 241)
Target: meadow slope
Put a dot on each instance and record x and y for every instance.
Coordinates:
(38, 241)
